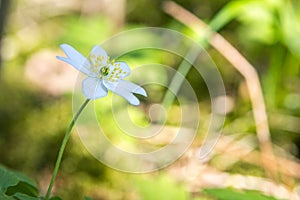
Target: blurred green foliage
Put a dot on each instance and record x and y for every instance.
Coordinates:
(269, 30)
(33, 121)
(160, 188)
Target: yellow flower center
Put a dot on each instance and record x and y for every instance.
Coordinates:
(97, 66)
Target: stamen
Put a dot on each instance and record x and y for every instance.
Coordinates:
(104, 71)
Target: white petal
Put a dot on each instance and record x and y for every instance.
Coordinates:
(118, 70)
(98, 56)
(125, 68)
(131, 87)
(93, 88)
(125, 89)
(127, 95)
(75, 59)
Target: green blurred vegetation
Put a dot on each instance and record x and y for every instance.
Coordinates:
(33, 119)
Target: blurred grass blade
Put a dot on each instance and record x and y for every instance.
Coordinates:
(230, 194)
(228, 13)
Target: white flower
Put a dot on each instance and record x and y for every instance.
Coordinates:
(103, 74)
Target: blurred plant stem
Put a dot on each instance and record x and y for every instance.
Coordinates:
(245, 68)
(179, 77)
(4, 9)
(62, 148)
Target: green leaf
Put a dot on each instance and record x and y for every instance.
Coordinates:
(5, 197)
(229, 194)
(12, 183)
(22, 187)
(55, 198)
(21, 196)
(6, 179)
(88, 198)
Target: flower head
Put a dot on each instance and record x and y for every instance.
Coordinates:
(103, 74)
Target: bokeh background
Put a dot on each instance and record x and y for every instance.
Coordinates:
(36, 97)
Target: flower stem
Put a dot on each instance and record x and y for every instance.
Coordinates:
(62, 148)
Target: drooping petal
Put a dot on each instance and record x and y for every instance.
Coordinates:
(75, 59)
(127, 95)
(131, 87)
(93, 88)
(126, 90)
(98, 57)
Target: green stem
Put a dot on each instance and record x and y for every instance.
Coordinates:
(62, 148)
(182, 72)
